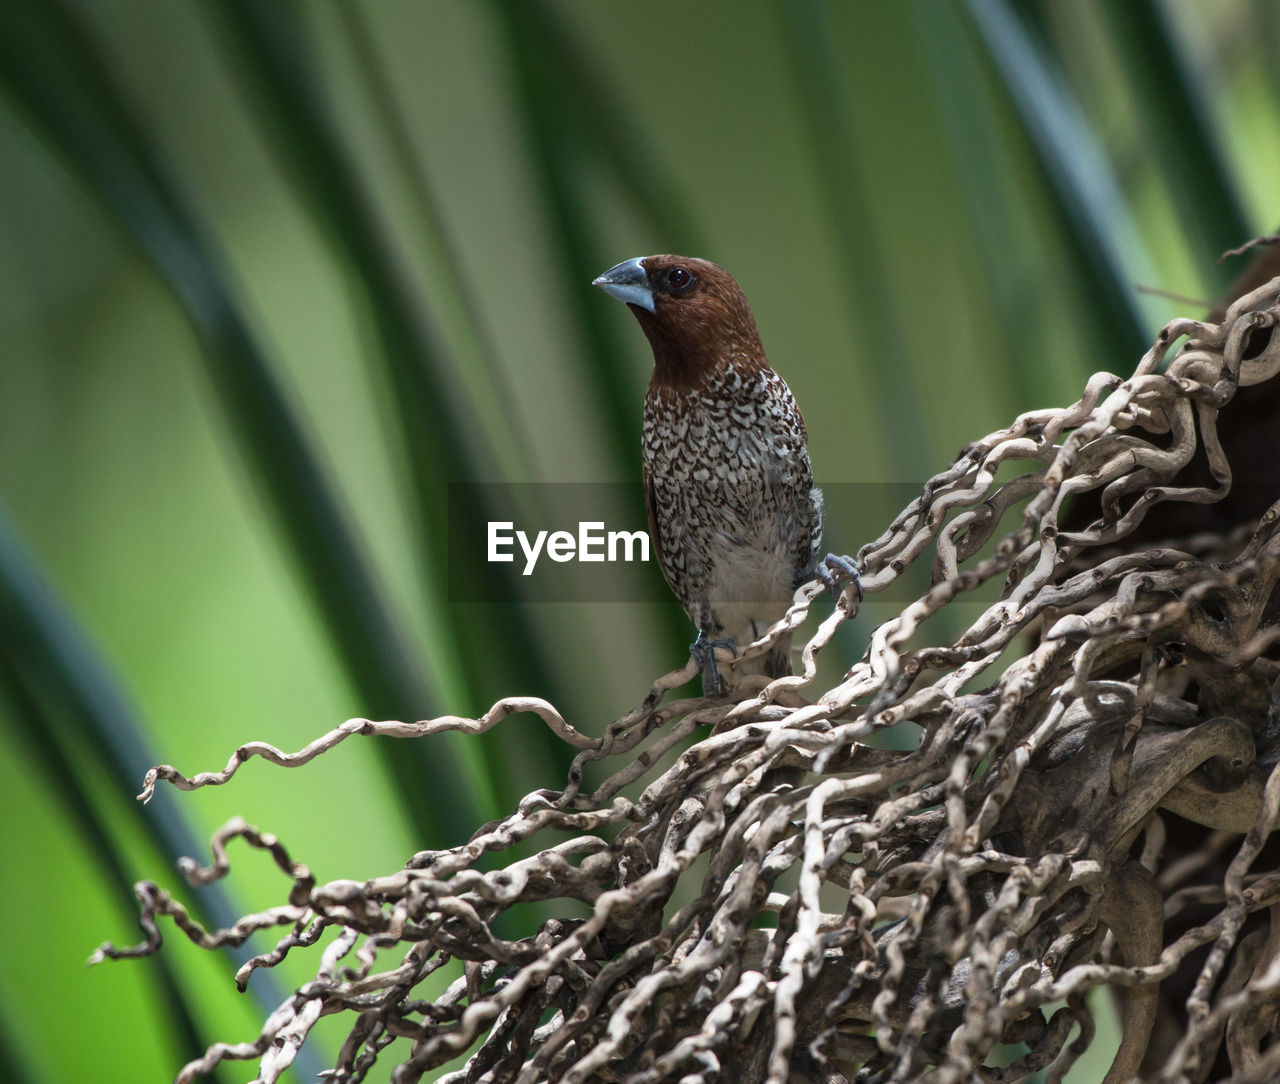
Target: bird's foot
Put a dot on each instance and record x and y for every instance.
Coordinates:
(833, 568)
(704, 651)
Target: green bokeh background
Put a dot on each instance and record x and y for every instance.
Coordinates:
(389, 213)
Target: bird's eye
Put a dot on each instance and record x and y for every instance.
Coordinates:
(679, 279)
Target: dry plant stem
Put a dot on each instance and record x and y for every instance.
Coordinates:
(786, 901)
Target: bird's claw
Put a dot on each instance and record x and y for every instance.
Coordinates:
(834, 567)
(704, 652)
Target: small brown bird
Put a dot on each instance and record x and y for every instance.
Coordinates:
(733, 513)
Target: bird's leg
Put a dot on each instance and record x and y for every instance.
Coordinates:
(703, 649)
(834, 567)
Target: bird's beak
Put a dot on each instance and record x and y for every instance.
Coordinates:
(628, 282)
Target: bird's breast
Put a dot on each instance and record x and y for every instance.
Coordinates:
(733, 425)
(731, 492)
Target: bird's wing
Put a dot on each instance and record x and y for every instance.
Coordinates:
(655, 538)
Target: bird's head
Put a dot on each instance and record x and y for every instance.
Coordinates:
(693, 313)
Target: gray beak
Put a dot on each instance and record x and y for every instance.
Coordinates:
(629, 283)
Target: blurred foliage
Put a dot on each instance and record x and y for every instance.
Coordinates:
(279, 273)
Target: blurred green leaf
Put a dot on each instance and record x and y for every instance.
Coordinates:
(61, 698)
(490, 391)
(50, 68)
(436, 446)
(811, 34)
(1173, 102)
(1104, 240)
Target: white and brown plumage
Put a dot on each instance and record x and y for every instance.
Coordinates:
(735, 518)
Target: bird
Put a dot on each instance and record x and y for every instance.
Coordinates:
(734, 516)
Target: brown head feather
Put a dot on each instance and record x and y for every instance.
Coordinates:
(699, 323)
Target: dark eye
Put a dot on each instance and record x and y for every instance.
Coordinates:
(679, 279)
